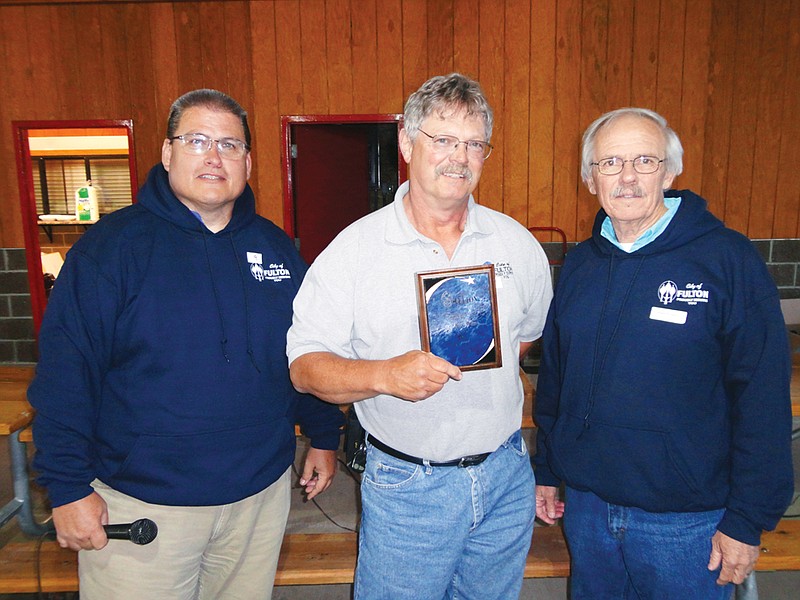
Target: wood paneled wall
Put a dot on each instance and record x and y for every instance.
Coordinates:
(725, 73)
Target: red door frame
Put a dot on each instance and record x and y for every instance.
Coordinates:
(286, 151)
(27, 197)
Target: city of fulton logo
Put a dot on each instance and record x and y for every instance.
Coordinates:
(691, 293)
(274, 272)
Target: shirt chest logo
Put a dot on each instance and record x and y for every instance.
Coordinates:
(691, 293)
(274, 272)
(503, 269)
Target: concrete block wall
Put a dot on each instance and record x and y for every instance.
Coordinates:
(783, 261)
(17, 343)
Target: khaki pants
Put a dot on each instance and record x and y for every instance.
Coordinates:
(227, 552)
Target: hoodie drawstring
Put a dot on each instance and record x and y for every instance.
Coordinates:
(224, 341)
(250, 352)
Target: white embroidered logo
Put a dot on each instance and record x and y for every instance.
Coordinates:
(275, 272)
(691, 294)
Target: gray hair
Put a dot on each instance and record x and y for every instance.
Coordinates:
(673, 159)
(447, 92)
(211, 99)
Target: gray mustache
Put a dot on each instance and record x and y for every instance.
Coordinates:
(622, 190)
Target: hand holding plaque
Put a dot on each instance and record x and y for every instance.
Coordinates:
(458, 316)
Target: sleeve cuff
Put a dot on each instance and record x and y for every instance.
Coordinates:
(739, 528)
(544, 476)
(59, 495)
(328, 441)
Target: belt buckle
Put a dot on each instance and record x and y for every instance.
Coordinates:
(471, 461)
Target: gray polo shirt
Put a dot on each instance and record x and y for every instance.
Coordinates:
(358, 301)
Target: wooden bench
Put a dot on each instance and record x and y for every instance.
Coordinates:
(330, 558)
(16, 414)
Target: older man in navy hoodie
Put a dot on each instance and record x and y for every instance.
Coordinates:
(162, 389)
(663, 396)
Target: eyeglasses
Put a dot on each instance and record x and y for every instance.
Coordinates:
(448, 144)
(613, 165)
(199, 144)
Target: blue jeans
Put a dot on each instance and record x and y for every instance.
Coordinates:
(429, 533)
(624, 553)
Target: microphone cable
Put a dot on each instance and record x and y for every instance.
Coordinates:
(793, 511)
(38, 564)
(40, 594)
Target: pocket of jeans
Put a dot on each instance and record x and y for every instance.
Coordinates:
(517, 445)
(386, 472)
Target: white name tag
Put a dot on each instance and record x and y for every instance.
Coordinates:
(254, 258)
(668, 315)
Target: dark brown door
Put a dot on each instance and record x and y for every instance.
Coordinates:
(331, 176)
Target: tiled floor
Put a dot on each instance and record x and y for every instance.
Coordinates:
(340, 503)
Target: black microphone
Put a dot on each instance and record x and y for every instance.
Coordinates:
(141, 531)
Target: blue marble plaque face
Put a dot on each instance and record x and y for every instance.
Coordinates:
(460, 318)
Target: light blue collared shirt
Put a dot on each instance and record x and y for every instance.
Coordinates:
(607, 229)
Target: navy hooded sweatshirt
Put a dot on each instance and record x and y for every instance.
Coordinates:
(162, 368)
(664, 381)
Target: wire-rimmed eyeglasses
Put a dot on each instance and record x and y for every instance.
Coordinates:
(197, 143)
(449, 143)
(613, 165)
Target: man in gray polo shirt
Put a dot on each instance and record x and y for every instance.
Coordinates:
(448, 491)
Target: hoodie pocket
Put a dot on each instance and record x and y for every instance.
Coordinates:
(624, 465)
(214, 465)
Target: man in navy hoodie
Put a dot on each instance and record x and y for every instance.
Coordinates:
(663, 395)
(162, 389)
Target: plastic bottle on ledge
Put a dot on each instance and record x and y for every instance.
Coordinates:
(86, 207)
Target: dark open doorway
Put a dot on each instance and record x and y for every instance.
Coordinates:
(336, 168)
